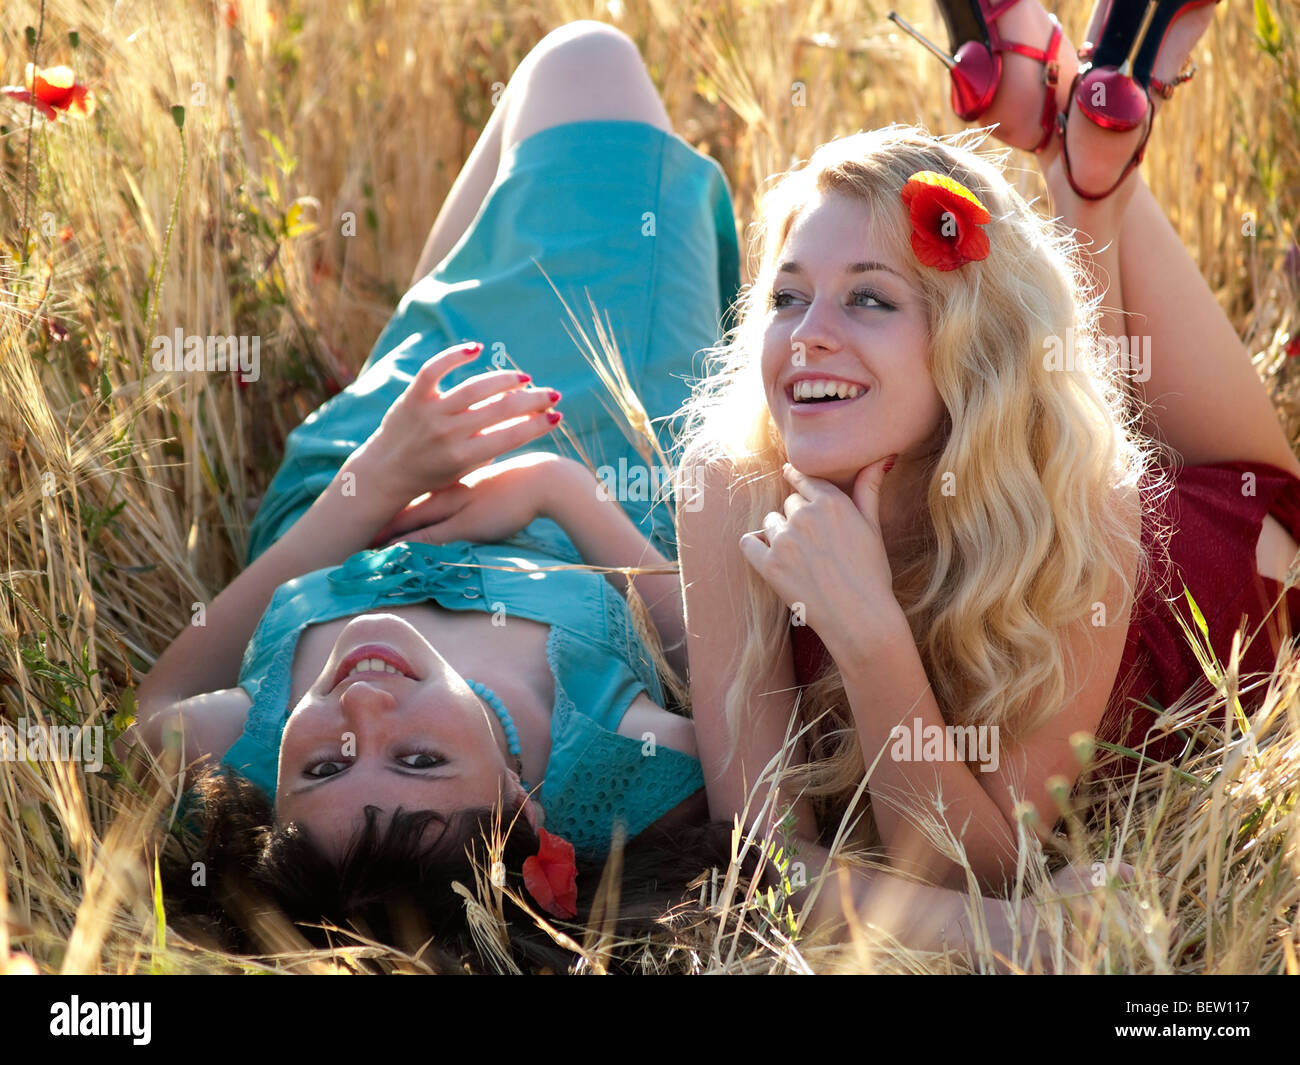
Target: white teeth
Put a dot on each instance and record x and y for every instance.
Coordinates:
(821, 388)
(372, 665)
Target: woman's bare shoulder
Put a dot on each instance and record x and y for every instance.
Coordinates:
(665, 729)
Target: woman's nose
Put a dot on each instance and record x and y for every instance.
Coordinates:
(818, 328)
(362, 697)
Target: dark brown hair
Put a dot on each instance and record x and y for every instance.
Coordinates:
(393, 883)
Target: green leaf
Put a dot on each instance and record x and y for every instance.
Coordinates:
(105, 386)
(284, 162)
(147, 567)
(125, 716)
(1128, 752)
(1267, 32)
(1197, 616)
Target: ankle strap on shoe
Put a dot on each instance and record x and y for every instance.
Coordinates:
(1065, 151)
(1163, 89)
(1051, 75)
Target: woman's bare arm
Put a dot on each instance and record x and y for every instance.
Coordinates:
(605, 536)
(205, 658)
(205, 725)
(713, 575)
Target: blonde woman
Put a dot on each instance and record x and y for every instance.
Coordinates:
(931, 493)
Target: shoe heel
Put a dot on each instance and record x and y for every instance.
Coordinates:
(974, 70)
(1110, 96)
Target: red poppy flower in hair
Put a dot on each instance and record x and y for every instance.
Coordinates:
(946, 220)
(550, 876)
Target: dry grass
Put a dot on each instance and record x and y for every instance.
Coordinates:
(127, 497)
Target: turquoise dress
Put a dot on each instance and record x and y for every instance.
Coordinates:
(616, 215)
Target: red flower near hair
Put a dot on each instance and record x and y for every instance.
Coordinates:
(51, 90)
(946, 220)
(550, 876)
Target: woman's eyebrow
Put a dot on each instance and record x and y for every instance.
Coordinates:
(790, 266)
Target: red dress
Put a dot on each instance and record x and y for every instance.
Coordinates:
(1212, 550)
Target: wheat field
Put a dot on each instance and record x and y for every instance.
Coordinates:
(290, 200)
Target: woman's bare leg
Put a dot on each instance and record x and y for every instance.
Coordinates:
(464, 197)
(582, 71)
(1200, 393)
(1206, 398)
(1206, 401)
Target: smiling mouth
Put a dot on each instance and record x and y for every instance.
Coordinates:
(372, 660)
(807, 393)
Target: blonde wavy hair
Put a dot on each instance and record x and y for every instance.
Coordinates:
(1028, 542)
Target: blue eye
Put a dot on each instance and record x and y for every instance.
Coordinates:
(865, 294)
(862, 297)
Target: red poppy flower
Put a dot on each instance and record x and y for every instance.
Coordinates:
(51, 90)
(550, 876)
(1292, 347)
(946, 220)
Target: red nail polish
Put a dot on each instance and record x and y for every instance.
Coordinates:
(473, 346)
(555, 396)
(889, 465)
(525, 378)
(554, 417)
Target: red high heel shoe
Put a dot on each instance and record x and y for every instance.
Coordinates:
(1113, 86)
(975, 63)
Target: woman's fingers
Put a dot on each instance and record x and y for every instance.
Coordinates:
(433, 508)
(756, 544)
(754, 549)
(808, 487)
(483, 386)
(508, 406)
(485, 447)
(793, 502)
(425, 385)
(443, 532)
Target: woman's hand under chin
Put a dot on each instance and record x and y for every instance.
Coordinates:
(827, 553)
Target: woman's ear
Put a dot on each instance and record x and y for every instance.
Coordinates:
(530, 807)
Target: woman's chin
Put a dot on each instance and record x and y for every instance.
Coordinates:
(837, 471)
